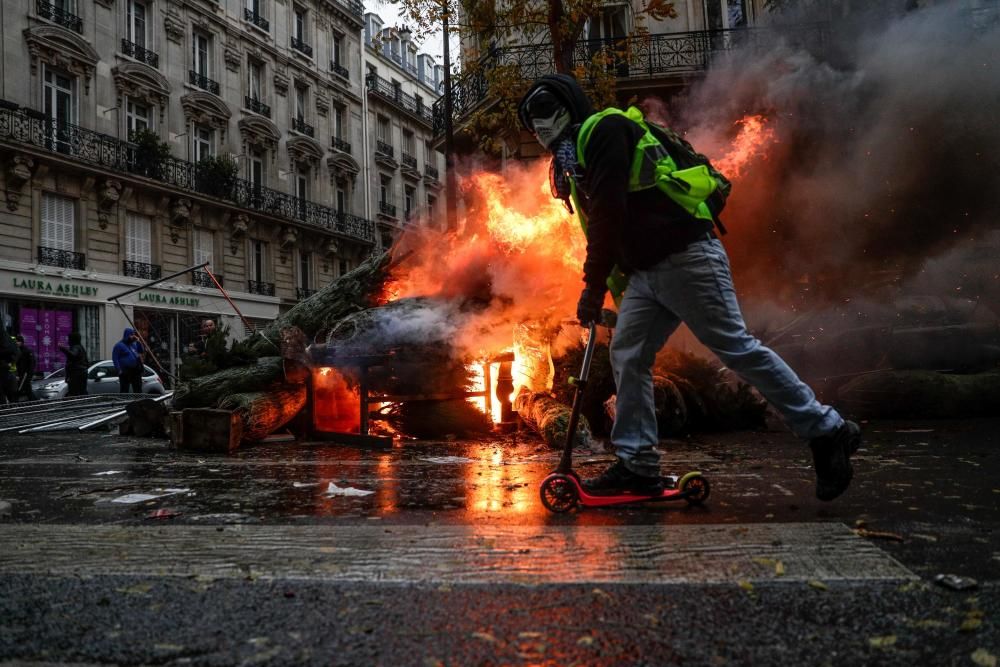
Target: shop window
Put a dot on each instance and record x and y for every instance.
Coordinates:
(58, 222)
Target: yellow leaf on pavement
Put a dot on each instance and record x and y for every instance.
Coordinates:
(485, 636)
(882, 642)
(970, 624)
(585, 640)
(984, 658)
(818, 585)
(745, 585)
(779, 568)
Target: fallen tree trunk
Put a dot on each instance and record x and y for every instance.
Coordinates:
(263, 412)
(352, 292)
(207, 391)
(550, 419)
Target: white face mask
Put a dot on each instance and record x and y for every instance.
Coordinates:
(547, 130)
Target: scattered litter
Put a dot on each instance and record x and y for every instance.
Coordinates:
(162, 514)
(82, 458)
(108, 472)
(303, 485)
(278, 437)
(446, 459)
(334, 490)
(878, 535)
(132, 498)
(955, 582)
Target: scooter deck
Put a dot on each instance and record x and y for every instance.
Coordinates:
(584, 499)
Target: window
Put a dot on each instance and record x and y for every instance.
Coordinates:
(203, 245)
(338, 122)
(408, 195)
(204, 142)
(135, 22)
(420, 104)
(301, 93)
(138, 238)
(383, 130)
(397, 89)
(255, 75)
(341, 200)
(58, 222)
(300, 23)
(344, 267)
(60, 96)
(338, 49)
(202, 47)
(302, 184)
(409, 146)
(305, 270)
(258, 260)
(256, 7)
(257, 173)
(385, 188)
(137, 116)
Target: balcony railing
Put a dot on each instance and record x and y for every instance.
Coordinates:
(300, 125)
(47, 10)
(384, 148)
(257, 106)
(140, 270)
(140, 53)
(353, 6)
(202, 279)
(66, 259)
(408, 161)
(385, 208)
(339, 70)
(264, 289)
(302, 47)
(339, 144)
(32, 128)
(634, 57)
(304, 292)
(203, 82)
(395, 96)
(432, 172)
(256, 19)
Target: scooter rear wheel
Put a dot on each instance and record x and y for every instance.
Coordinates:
(559, 494)
(695, 488)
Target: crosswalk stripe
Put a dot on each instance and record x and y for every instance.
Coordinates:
(469, 554)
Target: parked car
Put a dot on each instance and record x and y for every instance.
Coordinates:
(102, 378)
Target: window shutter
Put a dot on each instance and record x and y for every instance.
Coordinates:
(138, 239)
(58, 222)
(203, 249)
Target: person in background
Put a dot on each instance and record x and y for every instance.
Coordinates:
(206, 329)
(8, 364)
(25, 370)
(127, 357)
(76, 366)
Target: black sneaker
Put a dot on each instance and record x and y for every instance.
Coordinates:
(832, 460)
(619, 479)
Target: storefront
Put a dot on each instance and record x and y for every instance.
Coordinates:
(44, 305)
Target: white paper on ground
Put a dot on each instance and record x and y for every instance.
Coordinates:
(334, 490)
(108, 472)
(446, 459)
(131, 498)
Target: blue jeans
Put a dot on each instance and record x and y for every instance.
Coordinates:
(695, 286)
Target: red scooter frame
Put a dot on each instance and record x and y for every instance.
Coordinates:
(562, 491)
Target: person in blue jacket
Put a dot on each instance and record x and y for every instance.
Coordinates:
(127, 357)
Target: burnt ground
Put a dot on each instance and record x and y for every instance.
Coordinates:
(451, 559)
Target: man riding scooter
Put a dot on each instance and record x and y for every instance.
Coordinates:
(661, 241)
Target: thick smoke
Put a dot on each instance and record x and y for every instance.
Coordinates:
(887, 151)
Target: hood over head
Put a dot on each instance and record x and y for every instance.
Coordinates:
(569, 92)
(129, 332)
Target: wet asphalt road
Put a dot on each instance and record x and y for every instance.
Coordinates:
(140, 590)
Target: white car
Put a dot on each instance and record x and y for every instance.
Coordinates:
(102, 378)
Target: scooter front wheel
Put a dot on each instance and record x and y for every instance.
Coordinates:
(559, 494)
(694, 487)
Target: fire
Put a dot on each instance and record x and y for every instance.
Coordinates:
(752, 140)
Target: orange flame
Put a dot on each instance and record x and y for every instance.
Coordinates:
(752, 141)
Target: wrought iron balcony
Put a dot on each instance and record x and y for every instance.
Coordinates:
(385, 208)
(339, 70)
(264, 289)
(66, 259)
(305, 128)
(202, 279)
(33, 129)
(635, 57)
(408, 161)
(432, 172)
(395, 96)
(339, 144)
(257, 106)
(353, 6)
(140, 270)
(256, 19)
(140, 53)
(47, 10)
(203, 82)
(384, 148)
(302, 47)
(304, 292)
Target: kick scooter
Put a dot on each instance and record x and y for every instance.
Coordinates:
(562, 491)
